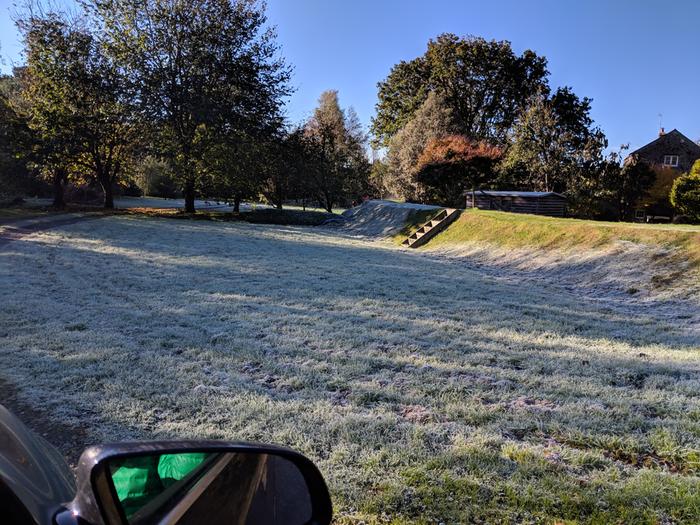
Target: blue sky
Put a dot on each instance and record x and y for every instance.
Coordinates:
(635, 58)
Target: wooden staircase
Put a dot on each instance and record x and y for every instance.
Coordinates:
(431, 228)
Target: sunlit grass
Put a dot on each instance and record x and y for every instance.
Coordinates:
(523, 230)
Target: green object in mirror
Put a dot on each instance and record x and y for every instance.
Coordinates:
(216, 488)
(139, 480)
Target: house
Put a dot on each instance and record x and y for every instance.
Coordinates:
(671, 150)
(535, 202)
(670, 155)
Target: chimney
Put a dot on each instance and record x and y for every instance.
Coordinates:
(662, 132)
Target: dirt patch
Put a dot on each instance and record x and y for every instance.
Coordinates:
(69, 440)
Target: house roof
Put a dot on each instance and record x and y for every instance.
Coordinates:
(674, 133)
(531, 194)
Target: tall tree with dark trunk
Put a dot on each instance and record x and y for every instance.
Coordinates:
(194, 64)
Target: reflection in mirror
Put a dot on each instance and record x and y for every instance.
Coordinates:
(232, 488)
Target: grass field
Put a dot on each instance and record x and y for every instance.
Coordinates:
(427, 388)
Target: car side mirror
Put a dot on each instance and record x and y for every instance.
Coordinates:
(197, 482)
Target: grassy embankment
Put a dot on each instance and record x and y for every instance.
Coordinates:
(514, 230)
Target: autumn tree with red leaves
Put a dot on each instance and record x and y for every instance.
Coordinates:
(453, 164)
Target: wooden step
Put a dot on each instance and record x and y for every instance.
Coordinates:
(431, 228)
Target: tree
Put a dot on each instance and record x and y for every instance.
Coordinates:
(196, 65)
(624, 186)
(685, 194)
(554, 142)
(232, 166)
(451, 165)
(76, 103)
(154, 178)
(379, 178)
(657, 196)
(49, 52)
(107, 131)
(285, 169)
(484, 83)
(15, 141)
(334, 148)
(432, 120)
(290, 159)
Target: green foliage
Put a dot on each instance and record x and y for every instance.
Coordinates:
(75, 101)
(52, 52)
(432, 120)
(554, 143)
(685, 193)
(484, 91)
(625, 186)
(379, 178)
(484, 83)
(203, 77)
(15, 143)
(154, 177)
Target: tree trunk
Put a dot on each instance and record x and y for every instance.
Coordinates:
(328, 202)
(237, 204)
(58, 200)
(189, 196)
(109, 195)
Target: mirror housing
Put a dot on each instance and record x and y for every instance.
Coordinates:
(96, 501)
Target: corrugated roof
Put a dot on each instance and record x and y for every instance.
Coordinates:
(535, 194)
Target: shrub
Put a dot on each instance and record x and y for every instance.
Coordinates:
(685, 193)
(451, 165)
(155, 179)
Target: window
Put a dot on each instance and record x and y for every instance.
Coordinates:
(671, 160)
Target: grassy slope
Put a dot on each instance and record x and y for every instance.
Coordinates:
(522, 231)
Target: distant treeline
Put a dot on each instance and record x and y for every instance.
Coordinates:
(175, 98)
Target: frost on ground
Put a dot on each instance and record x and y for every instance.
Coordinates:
(425, 388)
(378, 218)
(630, 276)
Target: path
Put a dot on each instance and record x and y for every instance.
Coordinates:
(16, 228)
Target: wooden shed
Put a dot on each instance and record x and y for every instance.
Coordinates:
(535, 202)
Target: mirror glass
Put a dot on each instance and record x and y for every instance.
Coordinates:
(211, 488)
